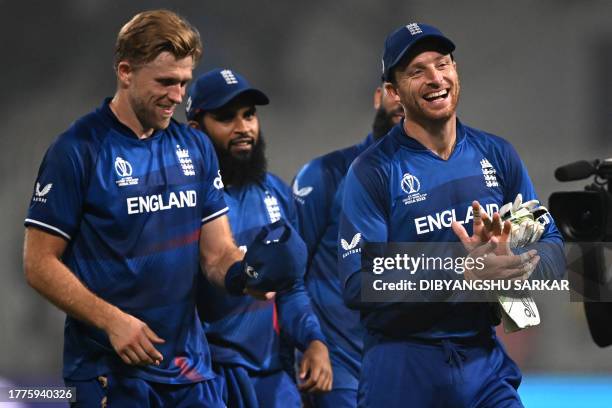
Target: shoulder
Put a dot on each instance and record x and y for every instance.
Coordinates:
(377, 157)
(82, 139)
(487, 141)
(274, 182)
(195, 135)
(332, 165)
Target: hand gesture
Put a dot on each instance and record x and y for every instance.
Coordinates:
(133, 340)
(315, 369)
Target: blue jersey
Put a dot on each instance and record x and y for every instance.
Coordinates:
(131, 211)
(399, 191)
(317, 191)
(241, 330)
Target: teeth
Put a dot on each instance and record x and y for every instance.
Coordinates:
(436, 94)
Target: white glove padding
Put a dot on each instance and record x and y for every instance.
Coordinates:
(527, 220)
(518, 312)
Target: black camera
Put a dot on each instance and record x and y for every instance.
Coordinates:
(584, 216)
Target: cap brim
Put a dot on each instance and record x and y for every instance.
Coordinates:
(259, 98)
(444, 43)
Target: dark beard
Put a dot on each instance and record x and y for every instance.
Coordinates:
(239, 171)
(383, 122)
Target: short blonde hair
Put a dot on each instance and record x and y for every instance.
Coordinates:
(150, 33)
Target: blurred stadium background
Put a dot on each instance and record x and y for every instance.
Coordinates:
(536, 73)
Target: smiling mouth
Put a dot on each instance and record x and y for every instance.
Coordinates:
(168, 110)
(434, 96)
(242, 143)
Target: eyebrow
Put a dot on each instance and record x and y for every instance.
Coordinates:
(420, 64)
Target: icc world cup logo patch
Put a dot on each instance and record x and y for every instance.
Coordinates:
(123, 167)
(410, 184)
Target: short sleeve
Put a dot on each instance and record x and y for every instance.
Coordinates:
(60, 188)
(214, 204)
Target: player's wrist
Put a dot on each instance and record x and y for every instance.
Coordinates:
(236, 278)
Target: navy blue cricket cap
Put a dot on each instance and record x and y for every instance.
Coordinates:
(402, 40)
(216, 88)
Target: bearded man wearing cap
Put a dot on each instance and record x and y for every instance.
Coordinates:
(429, 180)
(245, 335)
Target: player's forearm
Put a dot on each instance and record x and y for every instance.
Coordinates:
(52, 279)
(215, 268)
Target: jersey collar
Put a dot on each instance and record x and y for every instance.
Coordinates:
(404, 139)
(122, 129)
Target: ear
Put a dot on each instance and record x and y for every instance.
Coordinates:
(378, 94)
(392, 92)
(193, 124)
(124, 73)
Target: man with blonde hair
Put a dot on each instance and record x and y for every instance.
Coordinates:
(127, 204)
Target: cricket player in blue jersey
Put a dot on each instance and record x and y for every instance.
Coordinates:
(426, 182)
(317, 191)
(244, 333)
(127, 206)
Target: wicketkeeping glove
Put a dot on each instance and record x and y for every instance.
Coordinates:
(274, 261)
(527, 220)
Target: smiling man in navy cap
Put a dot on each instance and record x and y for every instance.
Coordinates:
(440, 352)
(244, 333)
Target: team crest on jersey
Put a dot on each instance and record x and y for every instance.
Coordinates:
(40, 193)
(351, 248)
(411, 185)
(123, 168)
(185, 160)
(300, 193)
(489, 173)
(274, 212)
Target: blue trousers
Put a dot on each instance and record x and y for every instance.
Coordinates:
(118, 391)
(336, 398)
(247, 390)
(424, 374)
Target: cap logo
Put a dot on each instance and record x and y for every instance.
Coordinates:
(229, 77)
(414, 29)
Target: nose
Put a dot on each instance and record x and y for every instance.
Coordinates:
(176, 93)
(240, 125)
(435, 77)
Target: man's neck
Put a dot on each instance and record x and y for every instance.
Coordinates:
(439, 137)
(124, 113)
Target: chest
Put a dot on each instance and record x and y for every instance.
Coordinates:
(252, 207)
(156, 178)
(427, 194)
